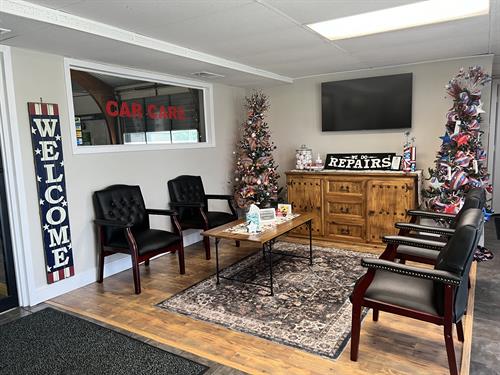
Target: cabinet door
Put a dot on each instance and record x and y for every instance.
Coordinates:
(386, 203)
(304, 194)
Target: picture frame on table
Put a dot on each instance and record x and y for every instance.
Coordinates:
(285, 209)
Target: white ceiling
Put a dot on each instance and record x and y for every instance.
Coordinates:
(265, 34)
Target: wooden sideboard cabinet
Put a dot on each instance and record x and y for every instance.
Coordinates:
(354, 207)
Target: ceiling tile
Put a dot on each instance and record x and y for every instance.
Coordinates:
(147, 17)
(310, 11)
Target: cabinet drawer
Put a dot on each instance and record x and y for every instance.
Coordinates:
(344, 208)
(345, 231)
(344, 187)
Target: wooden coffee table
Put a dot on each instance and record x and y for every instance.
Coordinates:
(265, 239)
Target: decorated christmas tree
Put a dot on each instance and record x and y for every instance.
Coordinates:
(256, 178)
(461, 161)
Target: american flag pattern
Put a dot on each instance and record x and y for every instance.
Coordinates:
(52, 200)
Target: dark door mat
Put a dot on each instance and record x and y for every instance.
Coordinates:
(53, 342)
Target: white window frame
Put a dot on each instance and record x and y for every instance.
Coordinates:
(118, 71)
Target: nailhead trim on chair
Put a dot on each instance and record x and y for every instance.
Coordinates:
(411, 243)
(434, 215)
(422, 228)
(411, 273)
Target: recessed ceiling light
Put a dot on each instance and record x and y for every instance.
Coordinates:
(402, 17)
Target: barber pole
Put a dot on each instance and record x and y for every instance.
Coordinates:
(52, 200)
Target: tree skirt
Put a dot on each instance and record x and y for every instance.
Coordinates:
(310, 309)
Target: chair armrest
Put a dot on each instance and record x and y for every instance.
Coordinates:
(219, 196)
(403, 269)
(227, 197)
(154, 211)
(412, 241)
(188, 205)
(425, 228)
(431, 215)
(113, 223)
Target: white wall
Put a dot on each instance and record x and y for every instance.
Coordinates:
(38, 75)
(295, 114)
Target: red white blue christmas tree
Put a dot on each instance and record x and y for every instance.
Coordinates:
(256, 176)
(461, 161)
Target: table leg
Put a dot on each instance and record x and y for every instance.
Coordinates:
(310, 243)
(217, 258)
(270, 268)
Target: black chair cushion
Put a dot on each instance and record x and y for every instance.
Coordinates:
(215, 219)
(401, 290)
(418, 252)
(147, 240)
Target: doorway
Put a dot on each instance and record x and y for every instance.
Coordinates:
(8, 287)
(8, 290)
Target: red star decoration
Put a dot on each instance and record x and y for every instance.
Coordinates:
(463, 139)
(450, 209)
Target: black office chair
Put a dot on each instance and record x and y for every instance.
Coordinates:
(438, 295)
(188, 197)
(122, 221)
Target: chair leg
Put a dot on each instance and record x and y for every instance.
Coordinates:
(206, 242)
(146, 263)
(180, 254)
(375, 315)
(460, 331)
(450, 349)
(100, 275)
(355, 330)
(137, 275)
(237, 243)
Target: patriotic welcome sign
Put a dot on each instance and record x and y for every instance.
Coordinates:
(52, 200)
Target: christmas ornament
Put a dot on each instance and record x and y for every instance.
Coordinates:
(446, 138)
(461, 159)
(458, 179)
(409, 163)
(462, 139)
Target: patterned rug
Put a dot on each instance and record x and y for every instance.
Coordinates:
(310, 308)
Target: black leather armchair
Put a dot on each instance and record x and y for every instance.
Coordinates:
(122, 222)
(188, 197)
(438, 295)
(425, 248)
(475, 198)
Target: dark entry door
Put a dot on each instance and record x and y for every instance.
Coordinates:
(8, 290)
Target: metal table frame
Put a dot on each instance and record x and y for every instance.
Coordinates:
(267, 249)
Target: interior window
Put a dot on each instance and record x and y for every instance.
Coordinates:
(112, 110)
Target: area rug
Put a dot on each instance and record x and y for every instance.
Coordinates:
(310, 309)
(52, 342)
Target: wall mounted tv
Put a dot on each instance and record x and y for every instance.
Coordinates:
(367, 104)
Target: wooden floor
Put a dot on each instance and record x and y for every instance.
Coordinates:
(393, 345)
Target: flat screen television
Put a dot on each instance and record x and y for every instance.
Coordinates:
(367, 104)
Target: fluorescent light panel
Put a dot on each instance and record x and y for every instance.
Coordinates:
(402, 17)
